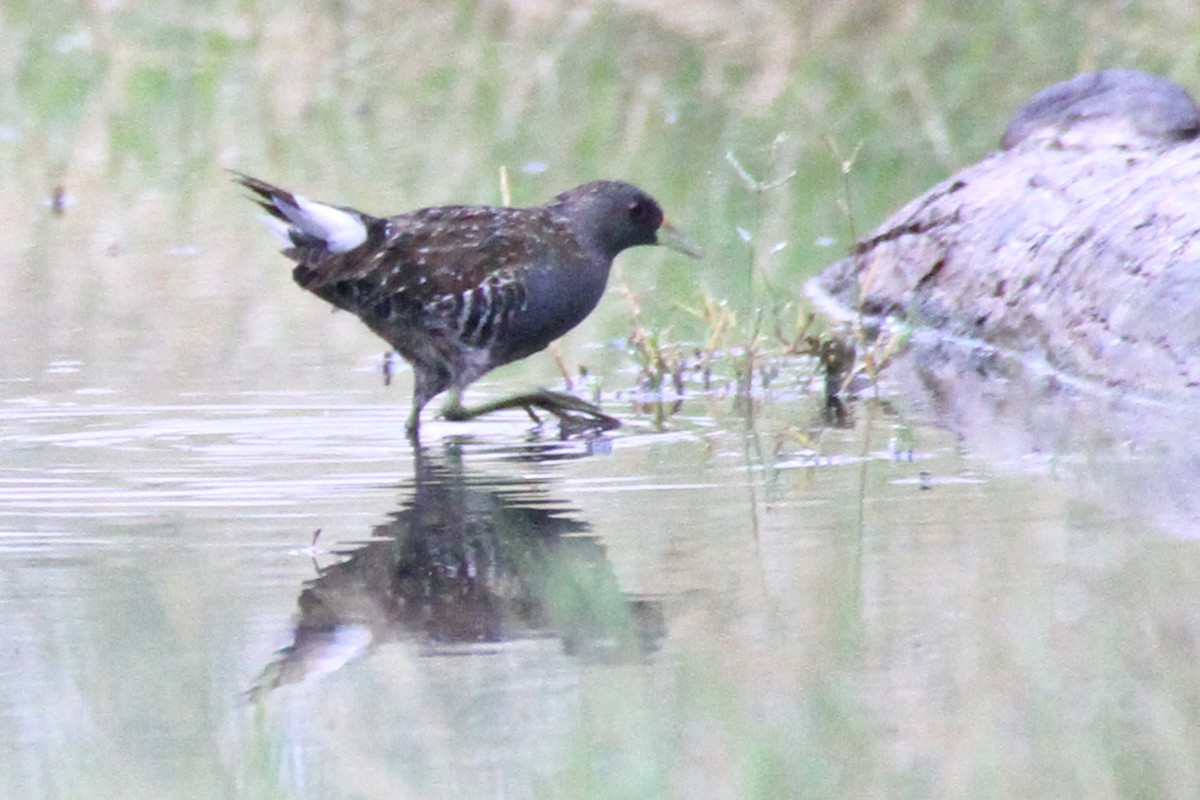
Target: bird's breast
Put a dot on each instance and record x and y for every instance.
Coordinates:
(555, 301)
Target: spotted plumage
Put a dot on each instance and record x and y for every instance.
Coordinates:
(460, 290)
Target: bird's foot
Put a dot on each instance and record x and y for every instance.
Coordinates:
(574, 415)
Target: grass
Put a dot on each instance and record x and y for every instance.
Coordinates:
(743, 357)
(736, 139)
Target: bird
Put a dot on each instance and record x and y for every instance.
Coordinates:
(460, 290)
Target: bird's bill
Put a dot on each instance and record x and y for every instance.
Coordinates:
(670, 236)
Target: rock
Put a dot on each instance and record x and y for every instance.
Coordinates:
(1085, 257)
(1051, 295)
(1110, 107)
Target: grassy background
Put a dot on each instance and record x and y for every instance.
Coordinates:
(392, 106)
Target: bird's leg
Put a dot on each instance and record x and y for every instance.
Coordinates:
(454, 409)
(574, 413)
(426, 384)
(414, 421)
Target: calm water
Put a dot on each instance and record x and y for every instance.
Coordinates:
(226, 572)
(694, 610)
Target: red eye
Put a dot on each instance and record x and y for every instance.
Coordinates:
(640, 212)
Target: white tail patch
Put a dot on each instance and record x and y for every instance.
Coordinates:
(278, 228)
(341, 231)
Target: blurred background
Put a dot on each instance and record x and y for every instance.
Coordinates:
(133, 111)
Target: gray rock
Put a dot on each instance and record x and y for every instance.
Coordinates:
(1121, 107)
(1088, 259)
(1051, 299)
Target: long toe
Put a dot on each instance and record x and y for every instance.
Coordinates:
(575, 415)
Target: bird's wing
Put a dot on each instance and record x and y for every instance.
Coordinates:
(436, 252)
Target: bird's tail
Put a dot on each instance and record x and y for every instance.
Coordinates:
(306, 224)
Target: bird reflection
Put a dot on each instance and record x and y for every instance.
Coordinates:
(466, 563)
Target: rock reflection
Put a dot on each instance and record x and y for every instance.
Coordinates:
(466, 563)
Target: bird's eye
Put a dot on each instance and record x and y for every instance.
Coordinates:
(640, 211)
